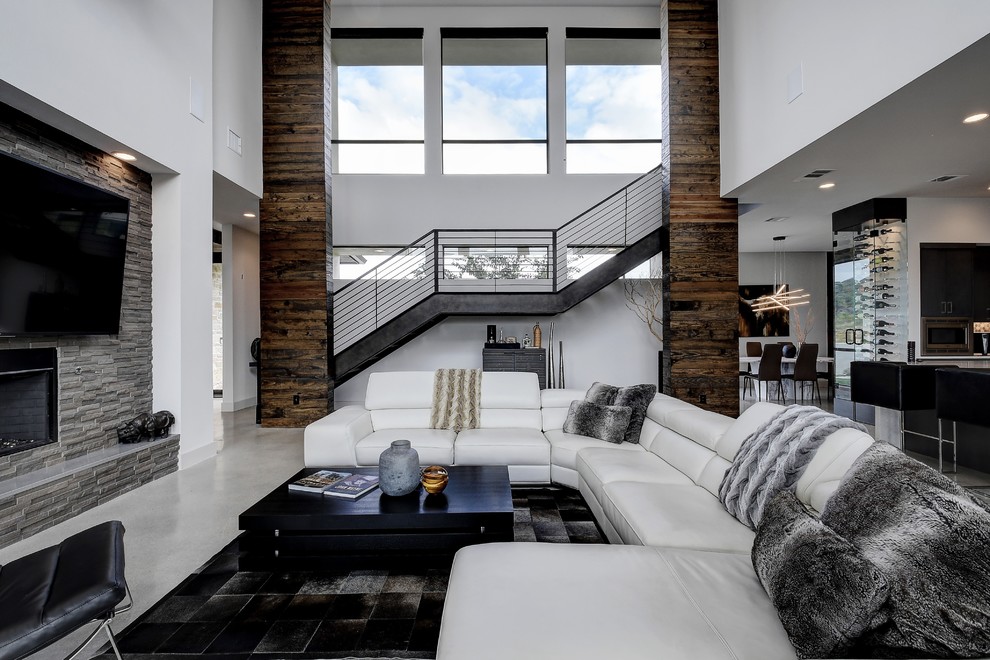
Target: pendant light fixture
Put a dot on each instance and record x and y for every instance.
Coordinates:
(781, 298)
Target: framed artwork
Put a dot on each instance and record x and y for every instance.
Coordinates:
(761, 323)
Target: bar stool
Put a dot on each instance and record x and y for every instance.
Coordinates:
(960, 396)
(897, 386)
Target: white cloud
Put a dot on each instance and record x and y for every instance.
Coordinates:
(613, 102)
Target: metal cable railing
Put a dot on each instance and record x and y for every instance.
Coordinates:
(472, 261)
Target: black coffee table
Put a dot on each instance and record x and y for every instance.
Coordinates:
(304, 530)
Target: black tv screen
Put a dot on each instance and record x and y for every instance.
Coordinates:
(62, 250)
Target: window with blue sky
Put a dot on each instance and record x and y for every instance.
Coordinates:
(613, 101)
(379, 116)
(494, 101)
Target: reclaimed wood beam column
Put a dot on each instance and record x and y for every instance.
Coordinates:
(296, 239)
(700, 284)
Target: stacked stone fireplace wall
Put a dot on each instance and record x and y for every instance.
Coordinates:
(103, 380)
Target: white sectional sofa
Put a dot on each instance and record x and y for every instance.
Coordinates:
(680, 585)
(677, 582)
(397, 405)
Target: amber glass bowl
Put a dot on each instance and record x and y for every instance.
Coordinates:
(434, 479)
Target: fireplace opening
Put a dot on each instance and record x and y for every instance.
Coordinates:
(28, 399)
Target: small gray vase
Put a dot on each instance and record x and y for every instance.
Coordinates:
(398, 469)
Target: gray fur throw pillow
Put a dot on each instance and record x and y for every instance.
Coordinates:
(825, 592)
(606, 423)
(931, 540)
(637, 397)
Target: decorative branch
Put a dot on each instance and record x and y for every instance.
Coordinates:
(645, 299)
(801, 329)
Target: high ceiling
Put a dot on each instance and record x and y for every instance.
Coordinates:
(893, 149)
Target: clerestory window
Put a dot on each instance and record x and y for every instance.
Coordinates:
(377, 118)
(613, 100)
(494, 100)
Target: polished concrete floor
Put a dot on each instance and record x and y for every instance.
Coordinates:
(180, 521)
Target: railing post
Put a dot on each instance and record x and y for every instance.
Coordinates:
(554, 262)
(625, 217)
(376, 297)
(437, 263)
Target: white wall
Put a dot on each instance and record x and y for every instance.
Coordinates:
(852, 54)
(603, 341)
(237, 90)
(242, 315)
(804, 270)
(118, 74)
(396, 209)
(957, 220)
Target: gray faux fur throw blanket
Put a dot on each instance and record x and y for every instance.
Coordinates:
(774, 458)
(930, 539)
(456, 399)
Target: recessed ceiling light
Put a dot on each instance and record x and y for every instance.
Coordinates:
(123, 155)
(250, 215)
(826, 186)
(972, 119)
(777, 219)
(379, 250)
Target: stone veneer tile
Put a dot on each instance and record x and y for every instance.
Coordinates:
(103, 381)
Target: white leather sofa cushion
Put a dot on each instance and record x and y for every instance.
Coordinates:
(399, 389)
(501, 447)
(591, 602)
(515, 390)
(684, 454)
(521, 418)
(565, 447)
(555, 404)
(673, 516)
(400, 418)
(834, 457)
(701, 426)
(662, 405)
(434, 446)
(744, 426)
(600, 466)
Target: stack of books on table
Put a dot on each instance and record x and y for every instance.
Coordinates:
(336, 484)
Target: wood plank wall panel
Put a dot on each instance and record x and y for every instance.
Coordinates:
(296, 238)
(702, 262)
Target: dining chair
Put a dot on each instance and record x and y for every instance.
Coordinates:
(769, 371)
(753, 349)
(806, 370)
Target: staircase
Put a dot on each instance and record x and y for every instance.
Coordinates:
(494, 272)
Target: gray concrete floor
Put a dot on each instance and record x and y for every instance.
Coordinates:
(177, 523)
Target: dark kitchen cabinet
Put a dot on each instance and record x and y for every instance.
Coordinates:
(981, 284)
(947, 281)
(533, 360)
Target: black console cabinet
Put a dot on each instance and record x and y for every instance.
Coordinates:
(533, 360)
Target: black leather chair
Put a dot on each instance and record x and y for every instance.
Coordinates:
(806, 371)
(769, 371)
(753, 349)
(897, 386)
(50, 593)
(960, 396)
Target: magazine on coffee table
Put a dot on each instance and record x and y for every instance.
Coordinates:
(352, 487)
(317, 482)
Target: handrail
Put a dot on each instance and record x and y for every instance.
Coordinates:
(419, 269)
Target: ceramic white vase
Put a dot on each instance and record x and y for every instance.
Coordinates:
(398, 469)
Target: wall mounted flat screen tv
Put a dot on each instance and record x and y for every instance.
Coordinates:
(62, 249)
